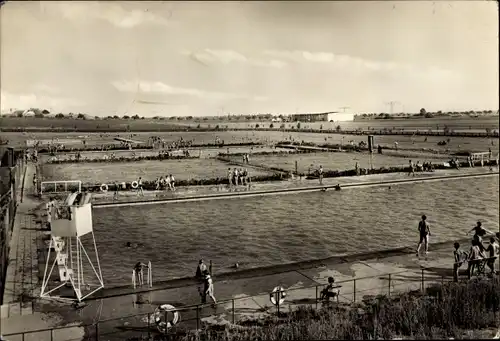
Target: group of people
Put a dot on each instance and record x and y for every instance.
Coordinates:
(420, 167)
(478, 254)
(167, 182)
(238, 177)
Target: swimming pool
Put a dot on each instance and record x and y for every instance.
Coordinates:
(262, 231)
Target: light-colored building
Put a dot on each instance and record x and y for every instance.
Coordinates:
(331, 116)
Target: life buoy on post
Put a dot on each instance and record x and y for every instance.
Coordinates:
(277, 296)
(104, 188)
(135, 184)
(160, 316)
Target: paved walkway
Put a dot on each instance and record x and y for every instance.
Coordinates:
(189, 191)
(243, 295)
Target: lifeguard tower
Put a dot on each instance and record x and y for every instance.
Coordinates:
(71, 228)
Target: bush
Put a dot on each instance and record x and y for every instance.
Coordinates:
(123, 159)
(459, 307)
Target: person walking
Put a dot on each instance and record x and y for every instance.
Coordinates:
(208, 288)
(320, 172)
(424, 232)
(460, 257)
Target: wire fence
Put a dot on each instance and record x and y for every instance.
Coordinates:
(146, 325)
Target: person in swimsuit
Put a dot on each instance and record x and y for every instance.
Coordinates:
(139, 273)
(479, 233)
(320, 171)
(208, 288)
(330, 291)
(492, 252)
(424, 232)
(141, 189)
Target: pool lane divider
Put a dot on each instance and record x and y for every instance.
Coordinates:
(290, 190)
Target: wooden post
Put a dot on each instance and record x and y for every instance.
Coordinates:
(296, 167)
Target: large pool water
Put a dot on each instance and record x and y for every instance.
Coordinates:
(269, 230)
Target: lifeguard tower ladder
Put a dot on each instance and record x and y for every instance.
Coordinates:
(70, 222)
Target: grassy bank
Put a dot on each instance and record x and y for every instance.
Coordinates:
(444, 311)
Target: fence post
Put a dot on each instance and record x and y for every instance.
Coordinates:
(316, 297)
(149, 326)
(197, 318)
(422, 280)
(97, 331)
(389, 285)
(354, 291)
(232, 306)
(51, 334)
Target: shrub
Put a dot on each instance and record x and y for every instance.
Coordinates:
(459, 306)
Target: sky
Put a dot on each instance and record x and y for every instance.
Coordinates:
(212, 58)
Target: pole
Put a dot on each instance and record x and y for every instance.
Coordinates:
(97, 331)
(316, 297)
(354, 292)
(232, 308)
(389, 285)
(422, 281)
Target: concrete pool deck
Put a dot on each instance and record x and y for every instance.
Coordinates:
(113, 303)
(210, 190)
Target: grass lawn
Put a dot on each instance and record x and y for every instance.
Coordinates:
(331, 161)
(94, 173)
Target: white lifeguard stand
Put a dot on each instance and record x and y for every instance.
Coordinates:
(70, 222)
(138, 277)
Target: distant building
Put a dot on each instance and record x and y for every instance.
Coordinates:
(331, 116)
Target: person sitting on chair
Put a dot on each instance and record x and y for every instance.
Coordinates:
(330, 290)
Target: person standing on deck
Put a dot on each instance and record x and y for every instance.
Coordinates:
(320, 171)
(230, 177)
(141, 189)
(424, 232)
(479, 233)
(412, 169)
(199, 275)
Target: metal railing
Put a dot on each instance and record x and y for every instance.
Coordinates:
(8, 205)
(53, 187)
(193, 316)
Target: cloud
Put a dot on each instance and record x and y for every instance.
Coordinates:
(29, 100)
(110, 12)
(162, 88)
(353, 63)
(209, 56)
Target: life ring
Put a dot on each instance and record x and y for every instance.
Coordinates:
(277, 291)
(160, 317)
(135, 184)
(104, 188)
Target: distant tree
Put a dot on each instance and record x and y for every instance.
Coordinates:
(428, 115)
(116, 117)
(38, 115)
(142, 117)
(109, 117)
(156, 118)
(80, 116)
(60, 115)
(205, 118)
(439, 112)
(97, 117)
(126, 117)
(45, 112)
(135, 117)
(422, 112)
